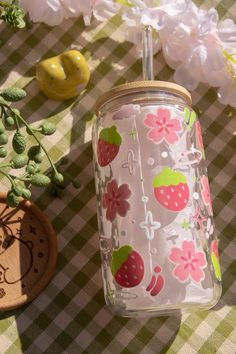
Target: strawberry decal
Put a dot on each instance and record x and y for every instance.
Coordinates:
(127, 267)
(215, 259)
(171, 189)
(157, 282)
(108, 145)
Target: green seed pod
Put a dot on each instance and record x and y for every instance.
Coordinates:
(40, 180)
(2, 128)
(26, 193)
(3, 151)
(9, 122)
(58, 178)
(48, 128)
(13, 94)
(37, 168)
(38, 158)
(33, 168)
(30, 169)
(35, 153)
(18, 143)
(19, 161)
(3, 139)
(2, 101)
(12, 199)
(17, 190)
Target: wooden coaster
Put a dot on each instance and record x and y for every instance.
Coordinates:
(28, 253)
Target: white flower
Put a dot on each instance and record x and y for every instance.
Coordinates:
(149, 13)
(227, 35)
(105, 9)
(190, 44)
(227, 94)
(51, 12)
(194, 42)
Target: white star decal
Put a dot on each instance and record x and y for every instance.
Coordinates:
(131, 163)
(149, 225)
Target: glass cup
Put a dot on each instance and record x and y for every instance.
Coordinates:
(158, 248)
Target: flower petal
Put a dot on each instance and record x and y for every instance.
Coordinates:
(163, 114)
(181, 272)
(171, 137)
(112, 187)
(124, 191)
(150, 120)
(176, 125)
(189, 247)
(197, 274)
(201, 259)
(111, 212)
(105, 200)
(123, 207)
(155, 135)
(176, 254)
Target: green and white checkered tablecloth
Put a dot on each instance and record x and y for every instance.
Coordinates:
(70, 315)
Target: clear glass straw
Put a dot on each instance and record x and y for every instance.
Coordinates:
(147, 54)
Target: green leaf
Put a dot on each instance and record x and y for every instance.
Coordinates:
(13, 14)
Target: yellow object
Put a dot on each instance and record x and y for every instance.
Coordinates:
(64, 76)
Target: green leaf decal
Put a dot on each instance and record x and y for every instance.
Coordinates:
(119, 257)
(168, 177)
(190, 117)
(111, 135)
(216, 265)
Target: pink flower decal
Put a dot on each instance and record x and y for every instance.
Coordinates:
(199, 134)
(115, 200)
(206, 193)
(163, 127)
(189, 262)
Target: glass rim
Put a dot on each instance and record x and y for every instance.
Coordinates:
(138, 86)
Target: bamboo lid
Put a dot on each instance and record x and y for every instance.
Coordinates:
(140, 86)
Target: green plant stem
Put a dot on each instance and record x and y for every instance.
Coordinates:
(3, 4)
(17, 124)
(24, 179)
(32, 133)
(7, 176)
(3, 165)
